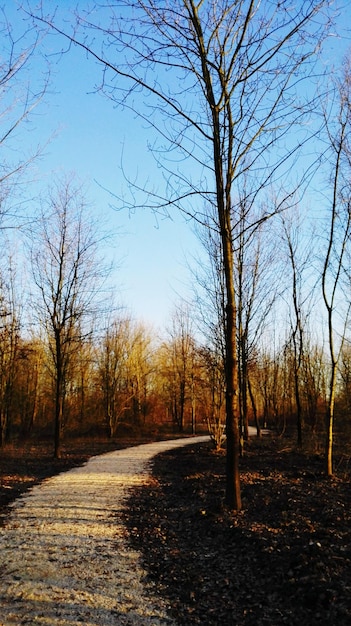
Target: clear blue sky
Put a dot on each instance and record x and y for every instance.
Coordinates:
(91, 137)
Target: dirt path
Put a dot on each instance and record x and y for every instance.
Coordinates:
(65, 560)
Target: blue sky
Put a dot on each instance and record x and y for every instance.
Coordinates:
(88, 136)
(91, 137)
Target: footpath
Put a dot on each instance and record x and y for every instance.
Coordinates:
(65, 557)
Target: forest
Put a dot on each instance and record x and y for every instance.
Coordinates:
(253, 138)
(129, 382)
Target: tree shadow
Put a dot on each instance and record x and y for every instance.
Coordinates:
(284, 559)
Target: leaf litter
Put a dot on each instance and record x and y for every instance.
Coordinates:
(284, 559)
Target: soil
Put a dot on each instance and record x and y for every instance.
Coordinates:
(284, 559)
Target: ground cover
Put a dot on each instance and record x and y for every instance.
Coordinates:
(284, 559)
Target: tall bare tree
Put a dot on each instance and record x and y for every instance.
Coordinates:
(67, 275)
(221, 82)
(336, 276)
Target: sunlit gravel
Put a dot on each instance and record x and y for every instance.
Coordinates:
(65, 557)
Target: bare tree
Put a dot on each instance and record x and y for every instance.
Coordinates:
(28, 383)
(256, 284)
(139, 370)
(19, 94)
(345, 375)
(257, 288)
(181, 356)
(301, 289)
(213, 381)
(9, 347)
(222, 84)
(112, 366)
(124, 363)
(315, 383)
(336, 276)
(67, 275)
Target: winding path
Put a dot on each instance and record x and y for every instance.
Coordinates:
(65, 558)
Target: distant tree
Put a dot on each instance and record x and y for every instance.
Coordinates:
(82, 383)
(124, 366)
(28, 389)
(314, 371)
(9, 347)
(113, 355)
(270, 387)
(257, 288)
(181, 356)
(299, 261)
(345, 384)
(140, 367)
(213, 382)
(67, 275)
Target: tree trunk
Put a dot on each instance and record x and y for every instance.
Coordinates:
(298, 408)
(3, 428)
(58, 398)
(193, 411)
(254, 408)
(58, 420)
(233, 494)
(330, 424)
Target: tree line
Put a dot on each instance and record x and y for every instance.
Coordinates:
(68, 379)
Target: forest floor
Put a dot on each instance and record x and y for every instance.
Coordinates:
(284, 559)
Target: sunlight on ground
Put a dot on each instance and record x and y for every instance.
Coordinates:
(65, 553)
